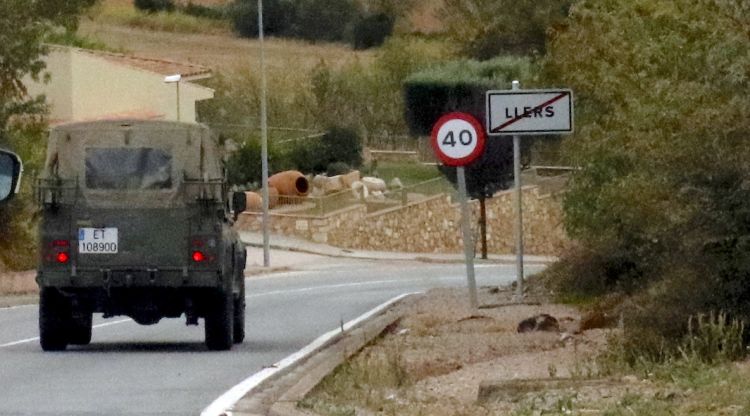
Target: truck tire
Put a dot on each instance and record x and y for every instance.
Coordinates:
(239, 316)
(80, 329)
(220, 321)
(54, 320)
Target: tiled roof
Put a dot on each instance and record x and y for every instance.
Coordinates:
(126, 115)
(189, 72)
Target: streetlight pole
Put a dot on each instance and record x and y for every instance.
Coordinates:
(175, 79)
(519, 207)
(264, 138)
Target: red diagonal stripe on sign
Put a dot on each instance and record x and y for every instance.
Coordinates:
(525, 113)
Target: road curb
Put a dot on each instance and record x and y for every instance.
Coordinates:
(420, 257)
(279, 394)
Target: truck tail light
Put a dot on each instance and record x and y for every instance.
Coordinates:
(57, 251)
(62, 257)
(203, 249)
(198, 256)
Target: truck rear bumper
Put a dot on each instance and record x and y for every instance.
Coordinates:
(114, 278)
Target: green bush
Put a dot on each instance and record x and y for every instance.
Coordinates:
(338, 146)
(460, 86)
(660, 183)
(342, 144)
(371, 31)
(307, 156)
(488, 28)
(153, 6)
(324, 20)
(278, 17)
(337, 168)
(199, 10)
(244, 166)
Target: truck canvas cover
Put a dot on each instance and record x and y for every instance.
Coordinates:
(139, 163)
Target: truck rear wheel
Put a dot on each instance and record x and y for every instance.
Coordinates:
(239, 317)
(80, 328)
(54, 320)
(220, 321)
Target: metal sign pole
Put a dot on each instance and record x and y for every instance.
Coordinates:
(468, 242)
(519, 207)
(264, 139)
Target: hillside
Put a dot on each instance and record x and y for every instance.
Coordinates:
(216, 48)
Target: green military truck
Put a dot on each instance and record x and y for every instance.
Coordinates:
(135, 221)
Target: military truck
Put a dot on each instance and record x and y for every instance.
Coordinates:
(135, 221)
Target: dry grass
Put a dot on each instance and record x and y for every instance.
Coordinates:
(424, 18)
(208, 42)
(433, 361)
(123, 13)
(221, 51)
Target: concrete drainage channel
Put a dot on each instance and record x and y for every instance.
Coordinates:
(277, 389)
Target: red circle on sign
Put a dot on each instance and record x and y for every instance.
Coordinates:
(457, 123)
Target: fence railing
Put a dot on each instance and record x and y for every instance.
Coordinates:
(53, 191)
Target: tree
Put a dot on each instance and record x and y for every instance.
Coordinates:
(24, 25)
(662, 144)
(324, 20)
(488, 28)
(278, 17)
(461, 86)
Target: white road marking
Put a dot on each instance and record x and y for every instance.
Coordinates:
(27, 340)
(227, 400)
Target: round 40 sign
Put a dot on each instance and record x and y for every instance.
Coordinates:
(458, 139)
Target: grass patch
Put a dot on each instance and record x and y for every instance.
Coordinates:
(409, 173)
(124, 14)
(368, 379)
(75, 40)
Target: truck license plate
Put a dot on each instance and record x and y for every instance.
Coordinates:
(97, 240)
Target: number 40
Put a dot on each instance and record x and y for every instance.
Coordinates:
(465, 137)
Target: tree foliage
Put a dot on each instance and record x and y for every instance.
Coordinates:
(24, 26)
(663, 127)
(488, 28)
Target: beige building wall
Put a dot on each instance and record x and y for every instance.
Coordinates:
(84, 86)
(59, 88)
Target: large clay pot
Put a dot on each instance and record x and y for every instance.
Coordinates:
(290, 183)
(255, 200)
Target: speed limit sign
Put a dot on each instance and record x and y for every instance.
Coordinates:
(458, 139)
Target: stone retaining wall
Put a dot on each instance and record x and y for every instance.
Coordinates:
(430, 226)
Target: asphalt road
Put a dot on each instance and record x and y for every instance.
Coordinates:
(165, 369)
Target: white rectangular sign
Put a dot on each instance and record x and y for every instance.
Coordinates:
(97, 240)
(512, 112)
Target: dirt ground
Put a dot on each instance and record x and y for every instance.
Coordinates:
(450, 361)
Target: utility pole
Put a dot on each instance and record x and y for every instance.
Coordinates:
(264, 139)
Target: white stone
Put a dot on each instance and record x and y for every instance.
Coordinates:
(301, 225)
(374, 184)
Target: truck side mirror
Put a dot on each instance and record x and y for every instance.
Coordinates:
(10, 174)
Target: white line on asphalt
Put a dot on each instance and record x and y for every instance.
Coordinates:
(222, 405)
(27, 340)
(276, 275)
